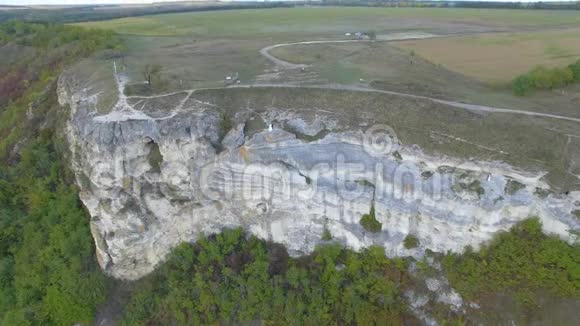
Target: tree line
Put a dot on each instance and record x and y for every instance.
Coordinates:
(96, 13)
(562, 5)
(542, 77)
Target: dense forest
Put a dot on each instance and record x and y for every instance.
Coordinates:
(235, 277)
(48, 270)
(523, 262)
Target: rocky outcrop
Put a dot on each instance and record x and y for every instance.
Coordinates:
(158, 171)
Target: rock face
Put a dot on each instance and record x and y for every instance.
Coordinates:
(157, 171)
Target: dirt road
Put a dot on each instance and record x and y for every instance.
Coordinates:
(382, 38)
(391, 37)
(465, 106)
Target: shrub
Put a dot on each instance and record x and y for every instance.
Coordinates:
(542, 78)
(575, 69)
(522, 85)
(410, 242)
(225, 124)
(370, 223)
(154, 157)
(513, 186)
(326, 235)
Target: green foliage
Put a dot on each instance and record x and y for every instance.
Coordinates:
(48, 273)
(424, 269)
(522, 85)
(226, 124)
(326, 235)
(370, 223)
(513, 186)
(474, 187)
(30, 82)
(154, 157)
(542, 78)
(232, 278)
(521, 261)
(51, 36)
(411, 242)
(575, 68)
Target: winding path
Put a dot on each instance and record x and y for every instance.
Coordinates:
(471, 107)
(354, 88)
(289, 65)
(465, 106)
(403, 36)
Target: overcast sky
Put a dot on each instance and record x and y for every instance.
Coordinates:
(81, 2)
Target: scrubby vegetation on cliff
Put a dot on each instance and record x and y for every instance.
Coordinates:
(48, 271)
(523, 262)
(370, 222)
(232, 277)
(28, 82)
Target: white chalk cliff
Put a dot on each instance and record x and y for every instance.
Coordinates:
(160, 170)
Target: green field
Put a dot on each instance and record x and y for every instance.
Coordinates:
(328, 20)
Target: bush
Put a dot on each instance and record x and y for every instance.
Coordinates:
(326, 235)
(542, 78)
(225, 124)
(575, 68)
(411, 242)
(522, 85)
(513, 186)
(370, 223)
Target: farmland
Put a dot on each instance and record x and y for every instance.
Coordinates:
(477, 53)
(498, 57)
